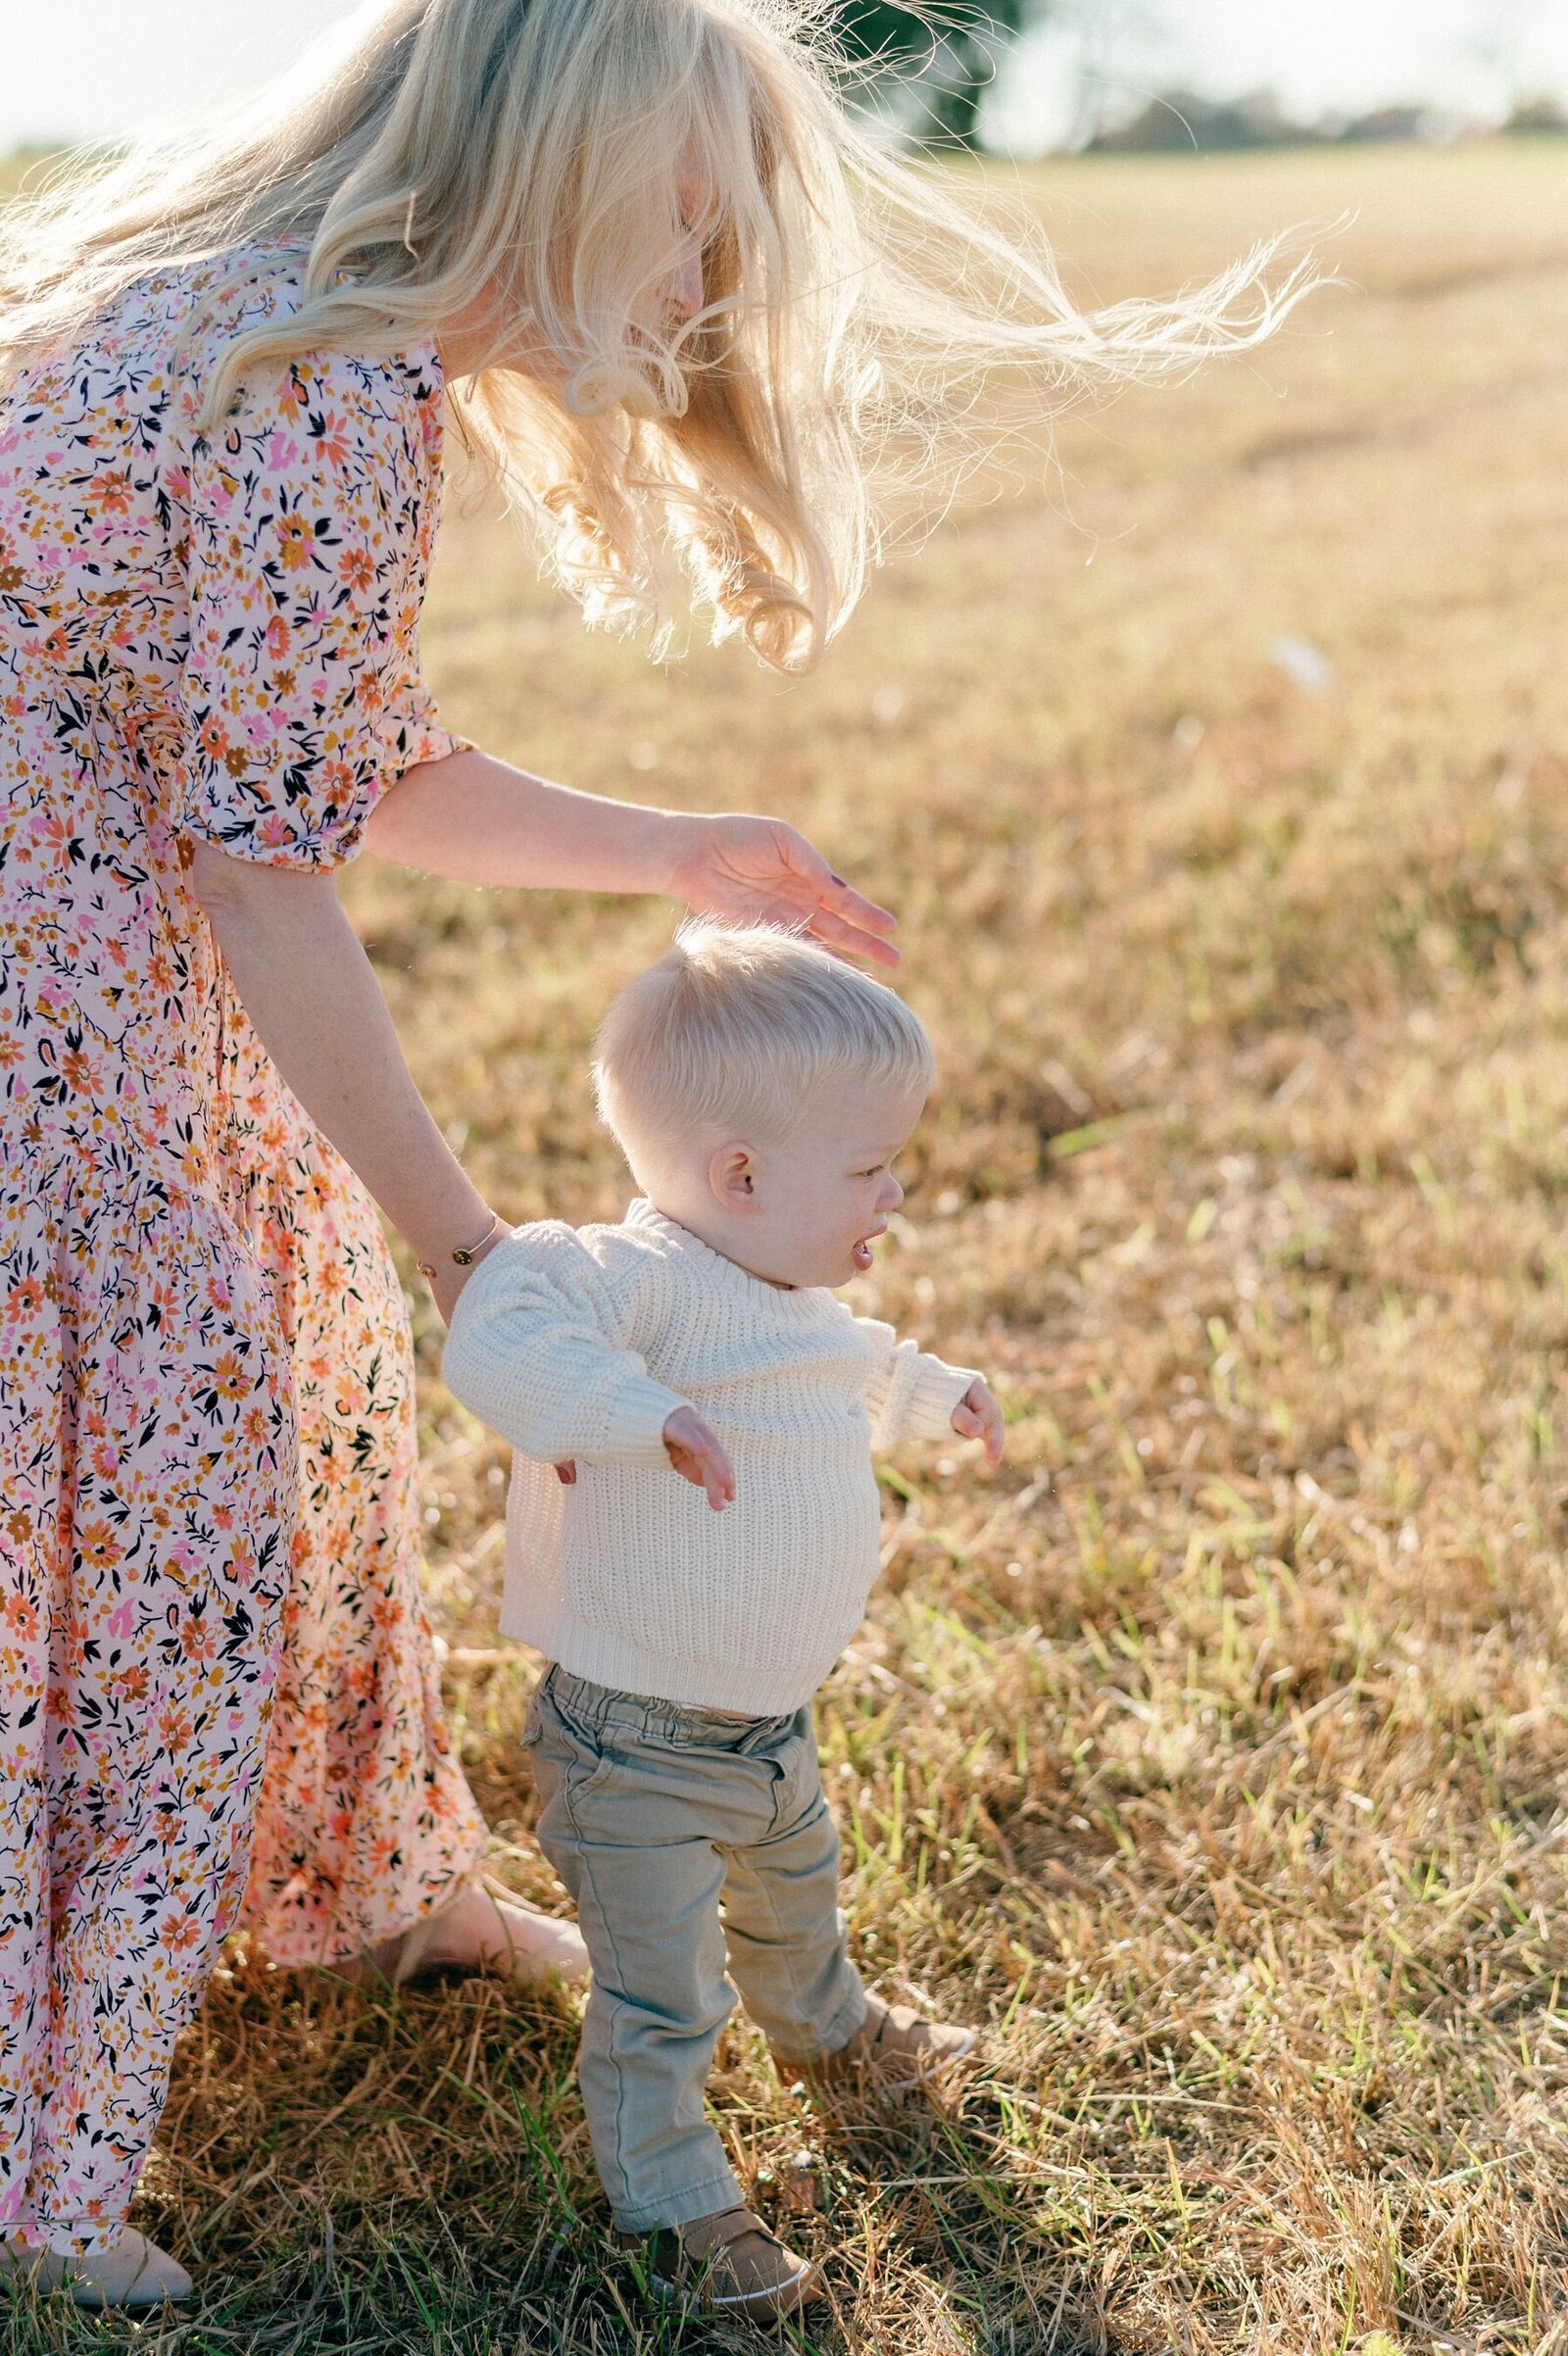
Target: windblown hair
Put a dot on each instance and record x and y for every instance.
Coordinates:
(519, 162)
(733, 1028)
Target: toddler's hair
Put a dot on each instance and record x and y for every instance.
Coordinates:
(736, 1023)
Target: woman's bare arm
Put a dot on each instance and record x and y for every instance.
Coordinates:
(479, 821)
(307, 986)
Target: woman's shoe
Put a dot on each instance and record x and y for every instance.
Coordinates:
(135, 2273)
(485, 1928)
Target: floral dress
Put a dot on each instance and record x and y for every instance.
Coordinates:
(209, 1621)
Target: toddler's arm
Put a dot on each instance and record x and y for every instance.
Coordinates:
(533, 1350)
(914, 1395)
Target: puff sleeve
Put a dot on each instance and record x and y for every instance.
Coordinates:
(311, 516)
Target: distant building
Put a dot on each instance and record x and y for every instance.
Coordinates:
(1539, 115)
(1394, 122)
(1181, 118)
(1180, 121)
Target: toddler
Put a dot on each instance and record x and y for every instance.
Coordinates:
(760, 1091)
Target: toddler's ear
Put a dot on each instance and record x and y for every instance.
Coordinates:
(732, 1175)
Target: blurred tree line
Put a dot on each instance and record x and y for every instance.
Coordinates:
(931, 61)
(927, 65)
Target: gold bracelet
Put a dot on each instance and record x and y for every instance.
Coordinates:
(463, 1256)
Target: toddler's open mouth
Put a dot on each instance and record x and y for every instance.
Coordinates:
(863, 1250)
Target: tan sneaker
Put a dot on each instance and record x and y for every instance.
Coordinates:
(135, 2273)
(730, 2264)
(894, 2044)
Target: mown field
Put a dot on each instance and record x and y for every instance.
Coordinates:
(1211, 1755)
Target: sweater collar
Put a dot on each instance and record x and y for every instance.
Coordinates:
(720, 1268)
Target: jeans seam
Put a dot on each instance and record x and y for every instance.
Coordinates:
(584, 1847)
(788, 1945)
(789, 1948)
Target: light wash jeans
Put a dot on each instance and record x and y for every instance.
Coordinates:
(681, 1834)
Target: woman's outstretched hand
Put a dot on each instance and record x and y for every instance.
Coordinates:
(761, 871)
(479, 821)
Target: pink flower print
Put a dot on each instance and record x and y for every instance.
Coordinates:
(206, 1501)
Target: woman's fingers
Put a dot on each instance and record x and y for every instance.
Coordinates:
(851, 938)
(845, 901)
(761, 870)
(845, 919)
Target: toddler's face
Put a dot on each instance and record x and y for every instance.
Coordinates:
(805, 1209)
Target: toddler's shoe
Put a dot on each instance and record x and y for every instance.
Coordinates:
(730, 2264)
(135, 2273)
(894, 2044)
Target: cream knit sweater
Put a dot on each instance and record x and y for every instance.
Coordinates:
(582, 1342)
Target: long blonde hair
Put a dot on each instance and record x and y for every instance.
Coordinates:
(524, 156)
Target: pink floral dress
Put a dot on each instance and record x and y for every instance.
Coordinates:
(213, 1662)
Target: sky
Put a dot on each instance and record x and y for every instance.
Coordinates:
(93, 69)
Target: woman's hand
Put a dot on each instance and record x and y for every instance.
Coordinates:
(761, 871)
(479, 821)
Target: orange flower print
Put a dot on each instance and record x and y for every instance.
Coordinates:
(334, 443)
(229, 1376)
(109, 492)
(221, 1579)
(19, 1617)
(97, 1547)
(196, 1638)
(296, 544)
(77, 1072)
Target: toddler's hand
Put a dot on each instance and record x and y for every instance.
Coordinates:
(978, 1416)
(697, 1457)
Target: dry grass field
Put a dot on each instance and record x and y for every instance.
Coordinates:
(1210, 1754)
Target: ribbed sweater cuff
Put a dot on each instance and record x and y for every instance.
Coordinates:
(635, 1421)
(938, 1389)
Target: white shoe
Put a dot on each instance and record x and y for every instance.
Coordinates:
(135, 2273)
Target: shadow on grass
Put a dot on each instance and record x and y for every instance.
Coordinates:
(409, 2176)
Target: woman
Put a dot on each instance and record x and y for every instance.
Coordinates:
(680, 302)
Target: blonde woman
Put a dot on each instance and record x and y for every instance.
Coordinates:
(636, 252)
